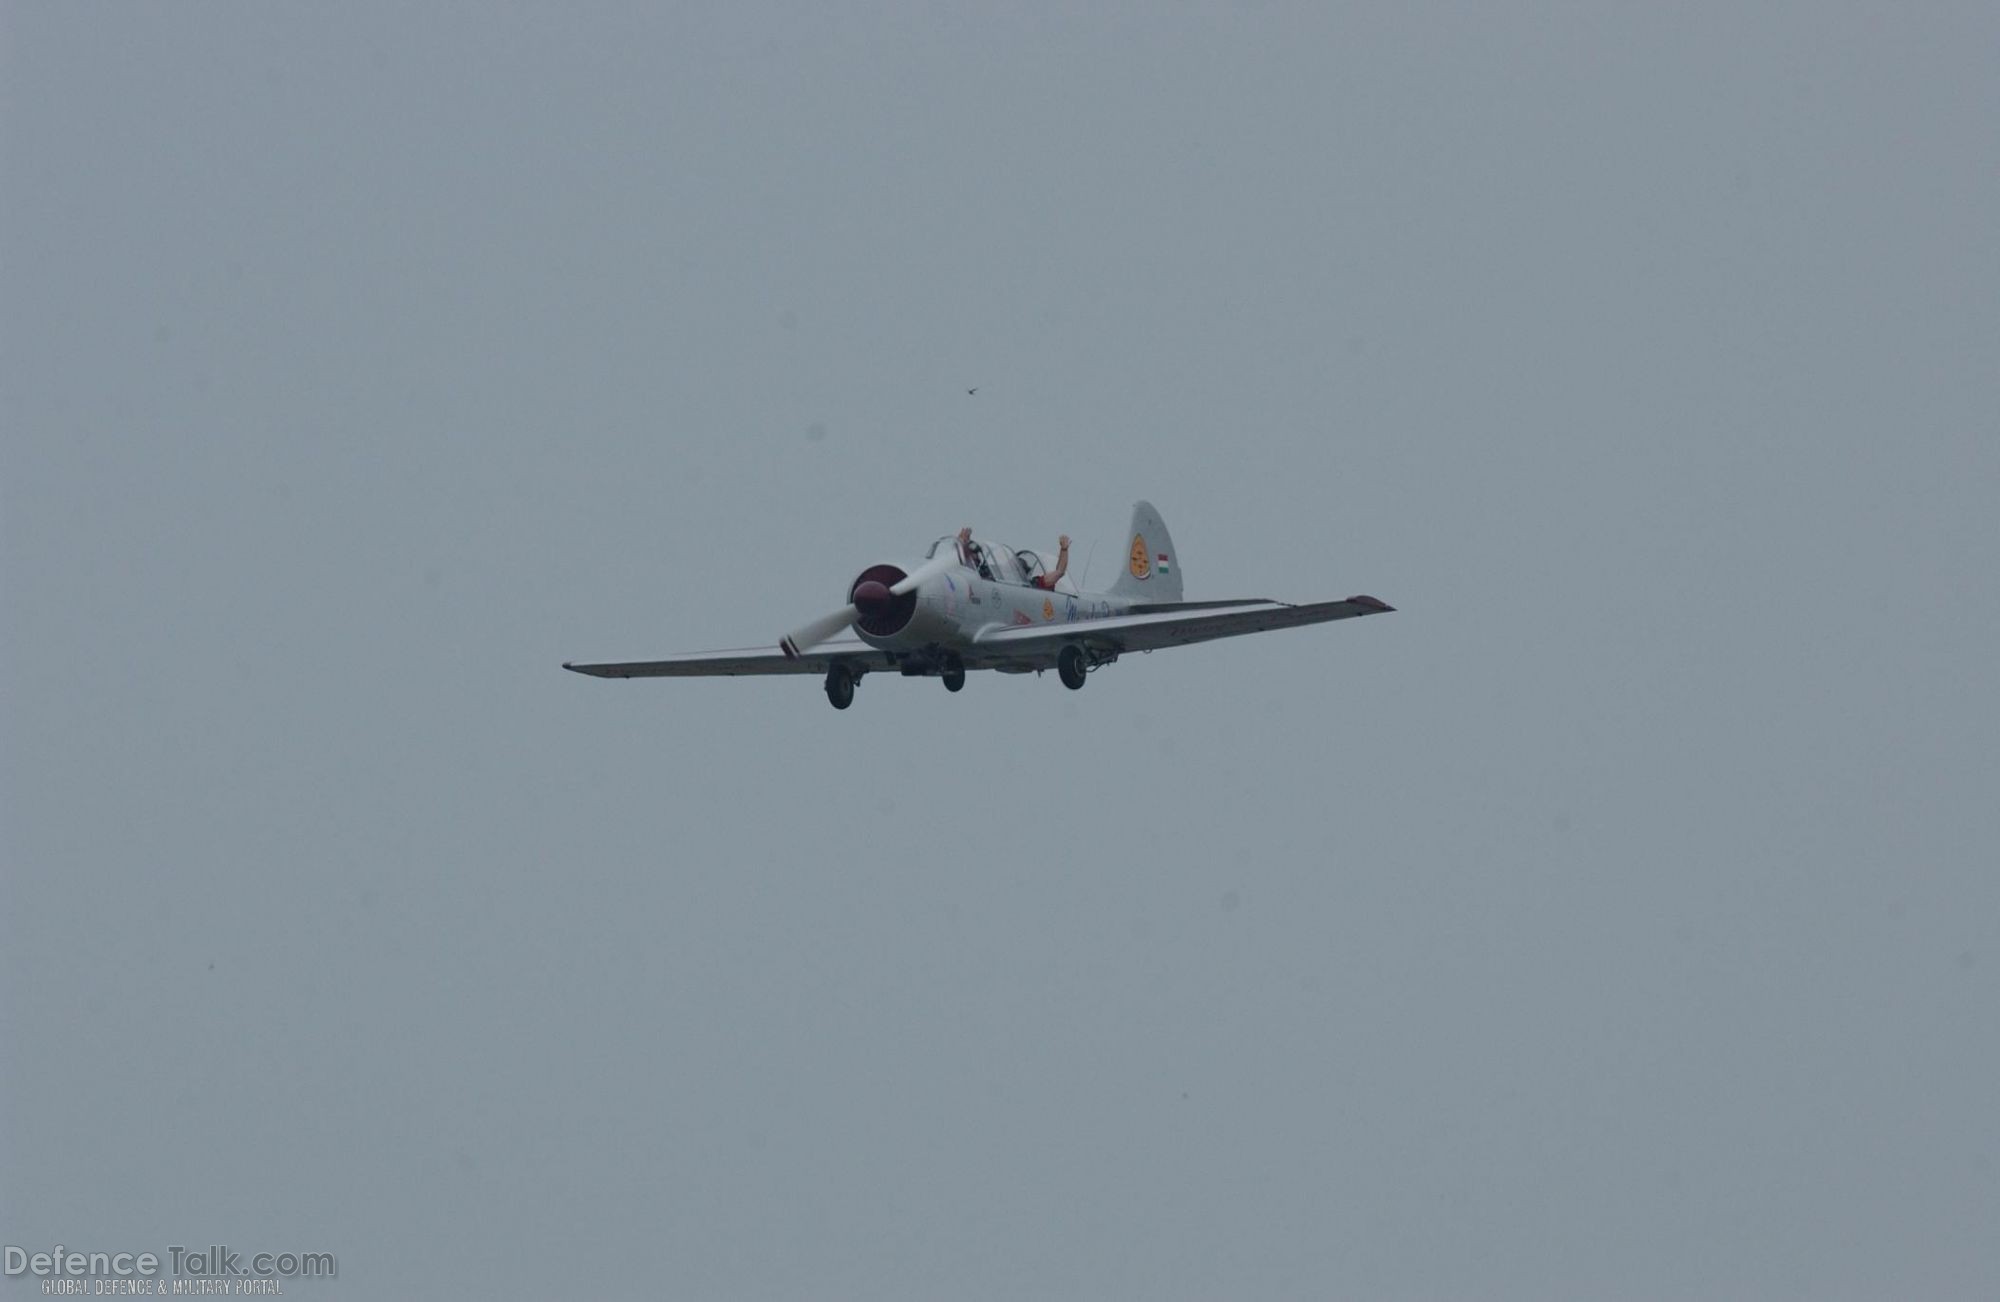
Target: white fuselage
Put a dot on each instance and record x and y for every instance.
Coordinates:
(955, 606)
(971, 604)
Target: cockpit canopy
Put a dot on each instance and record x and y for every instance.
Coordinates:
(993, 561)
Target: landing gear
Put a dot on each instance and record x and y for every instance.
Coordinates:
(1071, 665)
(953, 673)
(840, 687)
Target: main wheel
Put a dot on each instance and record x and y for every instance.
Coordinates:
(953, 673)
(839, 687)
(1070, 665)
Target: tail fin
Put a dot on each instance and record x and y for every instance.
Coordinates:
(1150, 568)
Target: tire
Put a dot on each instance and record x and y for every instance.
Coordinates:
(953, 674)
(1071, 666)
(839, 688)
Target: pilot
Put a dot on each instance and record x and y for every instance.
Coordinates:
(970, 554)
(1062, 566)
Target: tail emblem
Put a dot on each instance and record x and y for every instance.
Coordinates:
(1142, 560)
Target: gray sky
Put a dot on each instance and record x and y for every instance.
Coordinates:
(1618, 919)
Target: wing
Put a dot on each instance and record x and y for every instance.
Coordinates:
(849, 650)
(1034, 646)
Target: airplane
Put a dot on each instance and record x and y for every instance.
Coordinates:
(976, 605)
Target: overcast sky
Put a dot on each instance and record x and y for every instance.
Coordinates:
(1619, 919)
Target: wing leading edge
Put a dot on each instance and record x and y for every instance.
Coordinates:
(1014, 647)
(740, 661)
(1035, 646)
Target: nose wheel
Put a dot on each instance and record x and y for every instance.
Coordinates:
(1071, 666)
(840, 687)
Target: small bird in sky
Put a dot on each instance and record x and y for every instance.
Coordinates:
(974, 389)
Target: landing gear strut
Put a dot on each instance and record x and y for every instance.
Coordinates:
(840, 687)
(1071, 665)
(953, 673)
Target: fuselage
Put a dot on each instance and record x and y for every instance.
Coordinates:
(955, 605)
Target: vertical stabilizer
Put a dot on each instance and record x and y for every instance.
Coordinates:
(1149, 569)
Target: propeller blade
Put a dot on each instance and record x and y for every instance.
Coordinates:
(947, 559)
(802, 640)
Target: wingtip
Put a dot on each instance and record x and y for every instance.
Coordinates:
(1375, 604)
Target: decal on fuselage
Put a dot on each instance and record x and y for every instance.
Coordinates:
(985, 603)
(1142, 560)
